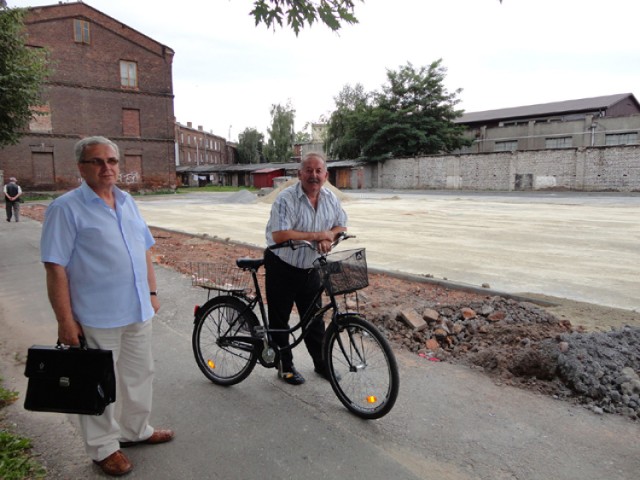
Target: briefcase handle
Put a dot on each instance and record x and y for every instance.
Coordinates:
(83, 344)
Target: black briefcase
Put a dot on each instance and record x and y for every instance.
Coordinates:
(69, 379)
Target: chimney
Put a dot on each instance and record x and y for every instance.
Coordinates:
(189, 125)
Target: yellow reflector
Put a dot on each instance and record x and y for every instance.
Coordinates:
(372, 399)
(211, 364)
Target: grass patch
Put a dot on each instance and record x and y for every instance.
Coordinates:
(16, 462)
(7, 397)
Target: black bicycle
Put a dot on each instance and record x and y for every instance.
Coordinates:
(228, 339)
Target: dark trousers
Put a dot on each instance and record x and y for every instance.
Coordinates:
(286, 285)
(12, 208)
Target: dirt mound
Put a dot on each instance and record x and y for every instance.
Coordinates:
(241, 196)
(270, 198)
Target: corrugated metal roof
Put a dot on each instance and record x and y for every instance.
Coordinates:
(545, 109)
(257, 167)
(235, 167)
(267, 170)
(344, 163)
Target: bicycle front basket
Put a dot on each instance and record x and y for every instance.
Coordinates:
(344, 272)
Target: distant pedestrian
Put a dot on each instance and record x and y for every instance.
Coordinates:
(12, 194)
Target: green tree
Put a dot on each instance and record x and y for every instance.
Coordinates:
(347, 124)
(250, 146)
(417, 113)
(22, 72)
(303, 136)
(412, 115)
(299, 13)
(281, 134)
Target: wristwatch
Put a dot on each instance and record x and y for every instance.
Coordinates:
(154, 293)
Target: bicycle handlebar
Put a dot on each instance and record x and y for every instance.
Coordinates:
(293, 244)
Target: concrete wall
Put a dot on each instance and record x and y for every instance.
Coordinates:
(585, 169)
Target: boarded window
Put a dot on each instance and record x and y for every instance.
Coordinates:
(131, 171)
(130, 122)
(42, 168)
(41, 121)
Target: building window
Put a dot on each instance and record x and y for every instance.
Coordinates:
(561, 142)
(130, 122)
(508, 146)
(81, 31)
(621, 138)
(128, 74)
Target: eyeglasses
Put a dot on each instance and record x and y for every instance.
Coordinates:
(101, 163)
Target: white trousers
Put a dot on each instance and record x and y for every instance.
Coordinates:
(126, 419)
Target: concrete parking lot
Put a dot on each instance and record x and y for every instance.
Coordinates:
(584, 247)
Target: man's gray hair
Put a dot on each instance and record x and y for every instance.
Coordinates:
(309, 155)
(95, 140)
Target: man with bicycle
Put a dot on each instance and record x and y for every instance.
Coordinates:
(304, 211)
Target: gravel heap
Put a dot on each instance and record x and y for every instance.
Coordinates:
(523, 345)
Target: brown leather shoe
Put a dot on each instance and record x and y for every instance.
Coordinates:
(116, 464)
(158, 436)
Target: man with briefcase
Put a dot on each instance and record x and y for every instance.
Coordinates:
(102, 287)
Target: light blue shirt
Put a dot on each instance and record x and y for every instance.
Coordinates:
(292, 210)
(104, 254)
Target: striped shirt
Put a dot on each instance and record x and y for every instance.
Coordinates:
(292, 210)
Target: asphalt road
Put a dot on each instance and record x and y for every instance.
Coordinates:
(449, 423)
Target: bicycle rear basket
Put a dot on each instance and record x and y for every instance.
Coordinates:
(344, 272)
(217, 276)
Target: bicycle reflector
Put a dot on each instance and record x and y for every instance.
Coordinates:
(212, 364)
(372, 399)
(195, 310)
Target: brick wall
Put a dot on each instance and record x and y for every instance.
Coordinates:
(85, 97)
(588, 169)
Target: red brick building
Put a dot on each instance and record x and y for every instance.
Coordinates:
(195, 150)
(107, 79)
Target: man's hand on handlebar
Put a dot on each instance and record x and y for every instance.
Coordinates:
(324, 246)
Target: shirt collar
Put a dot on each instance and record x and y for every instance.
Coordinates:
(90, 196)
(300, 192)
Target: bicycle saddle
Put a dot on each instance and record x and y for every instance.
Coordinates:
(250, 263)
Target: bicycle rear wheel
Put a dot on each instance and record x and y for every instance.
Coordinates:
(362, 367)
(222, 360)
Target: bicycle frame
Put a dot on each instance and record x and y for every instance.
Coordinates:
(262, 334)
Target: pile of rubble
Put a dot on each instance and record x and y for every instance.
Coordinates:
(524, 345)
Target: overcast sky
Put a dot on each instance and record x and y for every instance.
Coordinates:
(227, 72)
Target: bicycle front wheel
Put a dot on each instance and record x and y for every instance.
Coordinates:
(362, 367)
(224, 360)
